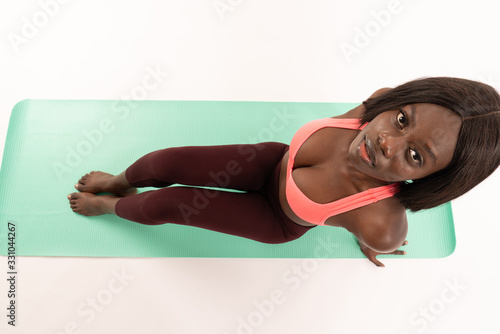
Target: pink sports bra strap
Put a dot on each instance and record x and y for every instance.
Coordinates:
(361, 199)
(309, 128)
(318, 213)
(345, 123)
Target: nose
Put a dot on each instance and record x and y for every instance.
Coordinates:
(389, 144)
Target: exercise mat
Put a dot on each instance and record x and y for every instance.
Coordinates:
(51, 143)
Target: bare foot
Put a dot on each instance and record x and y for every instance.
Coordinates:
(97, 182)
(92, 205)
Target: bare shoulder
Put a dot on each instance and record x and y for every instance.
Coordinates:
(380, 91)
(382, 226)
(358, 111)
(384, 229)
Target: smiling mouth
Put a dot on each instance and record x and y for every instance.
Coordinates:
(366, 152)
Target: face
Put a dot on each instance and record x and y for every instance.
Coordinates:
(406, 144)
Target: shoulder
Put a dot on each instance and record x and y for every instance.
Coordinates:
(382, 226)
(380, 91)
(359, 110)
(386, 227)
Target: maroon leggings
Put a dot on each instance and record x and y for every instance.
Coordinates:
(254, 212)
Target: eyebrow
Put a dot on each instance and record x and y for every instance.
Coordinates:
(425, 145)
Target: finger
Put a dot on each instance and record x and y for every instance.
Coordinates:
(377, 262)
(398, 252)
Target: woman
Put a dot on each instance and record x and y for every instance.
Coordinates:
(412, 147)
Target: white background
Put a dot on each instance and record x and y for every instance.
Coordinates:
(253, 50)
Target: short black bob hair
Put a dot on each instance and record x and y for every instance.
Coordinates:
(477, 153)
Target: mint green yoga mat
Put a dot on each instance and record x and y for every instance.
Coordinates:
(51, 144)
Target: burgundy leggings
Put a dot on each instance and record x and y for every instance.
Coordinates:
(254, 212)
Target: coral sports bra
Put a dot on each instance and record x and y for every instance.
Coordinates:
(316, 213)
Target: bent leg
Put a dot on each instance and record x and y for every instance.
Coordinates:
(242, 167)
(247, 215)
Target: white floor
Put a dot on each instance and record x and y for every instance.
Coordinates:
(324, 51)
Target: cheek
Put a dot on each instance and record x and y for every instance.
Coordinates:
(396, 171)
(399, 170)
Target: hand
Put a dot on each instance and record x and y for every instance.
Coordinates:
(371, 254)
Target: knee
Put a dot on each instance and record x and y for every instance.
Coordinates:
(154, 208)
(174, 205)
(165, 163)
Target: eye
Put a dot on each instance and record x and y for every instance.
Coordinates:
(401, 118)
(415, 157)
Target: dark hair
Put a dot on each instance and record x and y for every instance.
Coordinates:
(477, 153)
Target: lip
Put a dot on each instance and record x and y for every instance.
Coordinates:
(371, 151)
(366, 152)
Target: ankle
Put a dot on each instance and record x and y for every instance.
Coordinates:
(107, 203)
(121, 181)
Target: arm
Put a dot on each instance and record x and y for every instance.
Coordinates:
(371, 254)
(384, 240)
